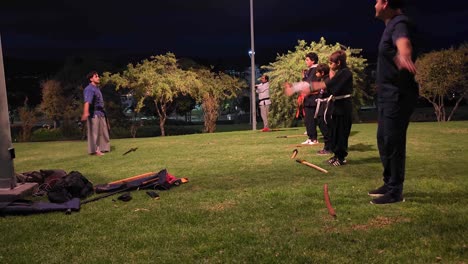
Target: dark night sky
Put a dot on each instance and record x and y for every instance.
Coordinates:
(210, 31)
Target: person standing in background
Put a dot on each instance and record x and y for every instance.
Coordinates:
(263, 90)
(95, 117)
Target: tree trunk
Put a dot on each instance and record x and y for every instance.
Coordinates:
(438, 105)
(456, 106)
(162, 121)
(210, 113)
(161, 110)
(442, 107)
(436, 110)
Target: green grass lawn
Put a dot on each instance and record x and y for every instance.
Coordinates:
(248, 202)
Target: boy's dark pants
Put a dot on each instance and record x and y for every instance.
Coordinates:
(325, 129)
(393, 120)
(339, 134)
(309, 121)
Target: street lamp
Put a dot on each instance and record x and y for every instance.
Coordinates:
(252, 70)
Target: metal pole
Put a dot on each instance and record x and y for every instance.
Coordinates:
(7, 175)
(252, 69)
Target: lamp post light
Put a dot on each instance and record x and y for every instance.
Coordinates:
(253, 108)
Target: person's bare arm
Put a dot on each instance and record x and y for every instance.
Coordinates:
(303, 87)
(85, 115)
(317, 86)
(403, 58)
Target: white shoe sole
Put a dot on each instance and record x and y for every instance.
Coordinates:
(375, 194)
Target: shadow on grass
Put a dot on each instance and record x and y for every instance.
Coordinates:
(284, 129)
(361, 147)
(292, 136)
(275, 130)
(437, 198)
(365, 161)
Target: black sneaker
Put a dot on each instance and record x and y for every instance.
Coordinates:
(338, 162)
(388, 198)
(331, 160)
(379, 191)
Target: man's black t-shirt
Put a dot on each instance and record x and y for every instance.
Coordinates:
(392, 82)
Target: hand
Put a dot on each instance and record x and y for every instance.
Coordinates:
(84, 117)
(405, 62)
(288, 90)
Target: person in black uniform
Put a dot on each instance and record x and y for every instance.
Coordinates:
(341, 87)
(397, 92)
(310, 103)
(323, 110)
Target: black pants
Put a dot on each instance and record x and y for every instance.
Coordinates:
(310, 123)
(391, 139)
(325, 129)
(339, 134)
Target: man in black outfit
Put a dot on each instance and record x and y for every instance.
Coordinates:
(397, 92)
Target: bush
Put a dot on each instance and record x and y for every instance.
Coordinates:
(120, 132)
(44, 134)
(15, 131)
(155, 131)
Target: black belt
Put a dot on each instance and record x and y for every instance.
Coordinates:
(268, 98)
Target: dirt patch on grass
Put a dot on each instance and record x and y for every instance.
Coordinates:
(220, 206)
(374, 223)
(380, 222)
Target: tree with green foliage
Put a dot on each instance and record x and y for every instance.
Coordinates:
(443, 75)
(53, 101)
(288, 68)
(28, 117)
(159, 78)
(62, 94)
(212, 91)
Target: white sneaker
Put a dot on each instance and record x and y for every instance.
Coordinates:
(310, 142)
(305, 133)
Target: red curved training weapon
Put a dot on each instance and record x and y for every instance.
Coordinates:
(331, 211)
